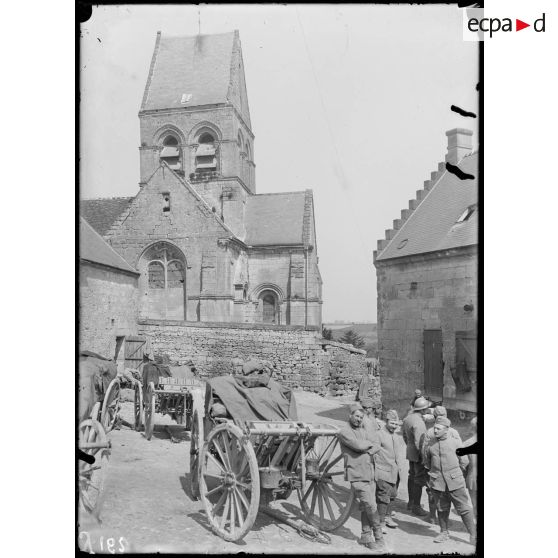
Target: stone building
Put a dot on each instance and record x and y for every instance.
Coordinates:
(206, 245)
(108, 293)
(427, 274)
(197, 266)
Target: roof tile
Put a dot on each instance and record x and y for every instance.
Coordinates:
(275, 218)
(432, 226)
(94, 249)
(102, 213)
(198, 66)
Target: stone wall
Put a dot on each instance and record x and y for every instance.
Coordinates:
(419, 293)
(108, 306)
(299, 357)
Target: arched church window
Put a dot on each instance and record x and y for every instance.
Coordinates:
(156, 275)
(171, 152)
(163, 281)
(175, 274)
(206, 153)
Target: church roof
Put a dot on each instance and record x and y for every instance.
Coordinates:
(192, 71)
(93, 248)
(276, 218)
(441, 220)
(101, 213)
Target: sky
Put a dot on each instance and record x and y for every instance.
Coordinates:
(352, 101)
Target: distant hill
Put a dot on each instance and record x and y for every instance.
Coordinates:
(369, 332)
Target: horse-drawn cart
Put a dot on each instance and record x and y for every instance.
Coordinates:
(95, 375)
(178, 393)
(238, 461)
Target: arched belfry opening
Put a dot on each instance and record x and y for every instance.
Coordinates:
(163, 282)
(171, 152)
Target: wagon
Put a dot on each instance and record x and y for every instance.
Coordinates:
(94, 373)
(238, 462)
(174, 396)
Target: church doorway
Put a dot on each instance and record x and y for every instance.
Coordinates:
(270, 307)
(163, 269)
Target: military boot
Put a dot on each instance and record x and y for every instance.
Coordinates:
(469, 523)
(382, 509)
(389, 520)
(379, 545)
(411, 491)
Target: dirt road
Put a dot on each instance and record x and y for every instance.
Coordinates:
(147, 506)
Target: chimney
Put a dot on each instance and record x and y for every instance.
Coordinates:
(459, 144)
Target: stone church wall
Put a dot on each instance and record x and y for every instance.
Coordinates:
(300, 358)
(108, 306)
(421, 293)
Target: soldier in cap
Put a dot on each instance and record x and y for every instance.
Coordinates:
(429, 438)
(447, 480)
(357, 448)
(414, 430)
(387, 468)
(369, 421)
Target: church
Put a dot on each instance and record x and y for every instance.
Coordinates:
(206, 247)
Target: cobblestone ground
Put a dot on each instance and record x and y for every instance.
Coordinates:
(147, 507)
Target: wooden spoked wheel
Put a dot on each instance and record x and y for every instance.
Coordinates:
(92, 476)
(327, 498)
(149, 410)
(96, 411)
(229, 482)
(111, 405)
(138, 406)
(196, 443)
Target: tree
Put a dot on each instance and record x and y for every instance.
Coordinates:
(352, 338)
(327, 333)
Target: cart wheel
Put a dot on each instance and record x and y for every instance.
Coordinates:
(138, 406)
(196, 443)
(96, 411)
(92, 477)
(111, 405)
(149, 410)
(327, 487)
(229, 482)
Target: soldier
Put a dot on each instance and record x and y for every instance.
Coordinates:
(369, 421)
(447, 481)
(417, 394)
(429, 438)
(387, 470)
(357, 450)
(414, 430)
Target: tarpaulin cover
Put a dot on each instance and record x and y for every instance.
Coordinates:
(263, 402)
(95, 374)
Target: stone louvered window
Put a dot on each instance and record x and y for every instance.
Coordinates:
(171, 152)
(206, 153)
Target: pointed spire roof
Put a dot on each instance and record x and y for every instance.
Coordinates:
(196, 71)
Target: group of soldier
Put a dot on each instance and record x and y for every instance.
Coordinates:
(373, 466)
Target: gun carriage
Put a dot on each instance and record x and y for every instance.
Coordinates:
(239, 460)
